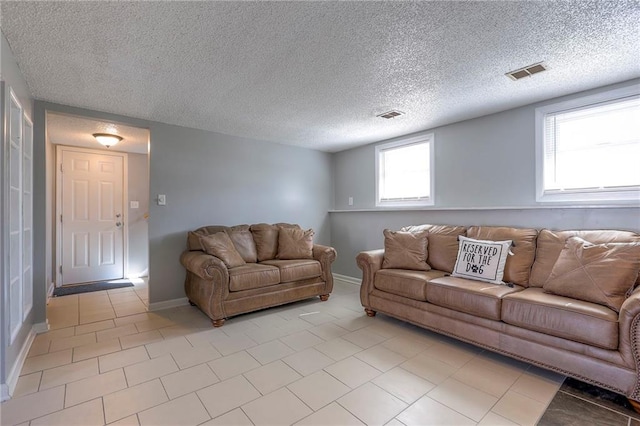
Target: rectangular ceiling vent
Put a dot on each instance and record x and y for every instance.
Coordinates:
(527, 71)
(390, 114)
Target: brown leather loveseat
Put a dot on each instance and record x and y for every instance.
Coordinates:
(244, 268)
(570, 304)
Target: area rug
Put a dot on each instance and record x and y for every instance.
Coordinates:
(87, 288)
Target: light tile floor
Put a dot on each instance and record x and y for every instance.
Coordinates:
(108, 361)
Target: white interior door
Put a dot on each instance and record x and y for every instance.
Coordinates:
(92, 215)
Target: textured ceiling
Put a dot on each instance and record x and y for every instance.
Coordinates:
(78, 131)
(316, 74)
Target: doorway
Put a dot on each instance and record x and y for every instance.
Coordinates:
(106, 187)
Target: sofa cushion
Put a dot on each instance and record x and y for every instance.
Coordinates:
(243, 242)
(550, 244)
(221, 246)
(253, 275)
(563, 317)
(405, 283)
(265, 237)
(481, 260)
(469, 296)
(518, 266)
(405, 250)
(193, 237)
(443, 244)
(296, 269)
(598, 273)
(294, 243)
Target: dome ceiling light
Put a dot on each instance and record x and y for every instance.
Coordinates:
(107, 139)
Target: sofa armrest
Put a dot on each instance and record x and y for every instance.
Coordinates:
(369, 261)
(629, 331)
(325, 255)
(206, 283)
(204, 265)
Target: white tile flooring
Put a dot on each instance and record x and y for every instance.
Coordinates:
(107, 361)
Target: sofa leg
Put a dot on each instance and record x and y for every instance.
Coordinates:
(218, 322)
(370, 312)
(634, 404)
(191, 303)
(324, 297)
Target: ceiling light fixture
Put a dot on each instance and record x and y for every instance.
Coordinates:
(527, 71)
(107, 139)
(390, 114)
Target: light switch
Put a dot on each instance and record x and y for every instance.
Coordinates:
(350, 201)
(162, 200)
(134, 204)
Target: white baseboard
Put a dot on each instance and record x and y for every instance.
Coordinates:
(158, 306)
(4, 392)
(7, 389)
(41, 327)
(347, 279)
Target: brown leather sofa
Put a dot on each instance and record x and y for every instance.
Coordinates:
(578, 338)
(275, 267)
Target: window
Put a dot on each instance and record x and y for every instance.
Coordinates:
(404, 173)
(588, 149)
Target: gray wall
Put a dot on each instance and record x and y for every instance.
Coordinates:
(138, 167)
(210, 178)
(11, 76)
(484, 174)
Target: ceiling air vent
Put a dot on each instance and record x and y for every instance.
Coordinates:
(390, 114)
(527, 71)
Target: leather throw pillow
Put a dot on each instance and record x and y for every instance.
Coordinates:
(242, 240)
(405, 250)
(221, 246)
(597, 273)
(294, 243)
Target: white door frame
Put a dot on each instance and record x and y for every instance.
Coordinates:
(125, 203)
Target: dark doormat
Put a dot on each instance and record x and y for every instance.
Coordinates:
(87, 288)
(578, 403)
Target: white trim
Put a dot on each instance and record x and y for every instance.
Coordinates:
(538, 207)
(125, 205)
(56, 218)
(4, 392)
(158, 306)
(347, 279)
(125, 215)
(27, 123)
(563, 198)
(41, 327)
(14, 329)
(14, 373)
(428, 138)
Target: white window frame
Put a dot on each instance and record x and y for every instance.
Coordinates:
(430, 201)
(593, 196)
